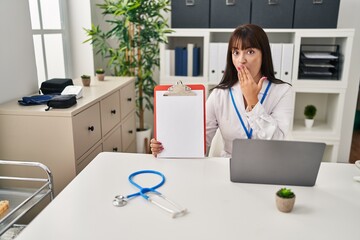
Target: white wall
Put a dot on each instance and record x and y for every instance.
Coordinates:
(17, 57)
(79, 14)
(349, 17)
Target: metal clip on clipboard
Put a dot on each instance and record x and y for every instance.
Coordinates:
(179, 89)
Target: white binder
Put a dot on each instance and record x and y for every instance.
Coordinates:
(190, 58)
(169, 62)
(222, 52)
(276, 52)
(213, 61)
(287, 62)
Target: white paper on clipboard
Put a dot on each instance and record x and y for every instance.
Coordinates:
(180, 120)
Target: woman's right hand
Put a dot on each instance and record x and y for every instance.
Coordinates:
(155, 147)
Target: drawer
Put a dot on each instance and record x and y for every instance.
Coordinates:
(113, 142)
(190, 13)
(87, 129)
(110, 112)
(316, 13)
(127, 99)
(280, 13)
(239, 10)
(86, 160)
(128, 131)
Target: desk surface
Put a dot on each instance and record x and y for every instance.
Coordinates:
(218, 208)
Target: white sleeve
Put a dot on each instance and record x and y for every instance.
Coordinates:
(273, 125)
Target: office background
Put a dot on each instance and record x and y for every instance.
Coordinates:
(17, 61)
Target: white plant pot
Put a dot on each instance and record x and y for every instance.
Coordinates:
(142, 138)
(309, 123)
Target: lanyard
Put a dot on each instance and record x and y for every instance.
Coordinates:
(248, 133)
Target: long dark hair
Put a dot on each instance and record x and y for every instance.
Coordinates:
(250, 36)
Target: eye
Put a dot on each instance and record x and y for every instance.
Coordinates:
(250, 51)
(235, 52)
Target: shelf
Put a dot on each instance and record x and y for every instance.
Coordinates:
(327, 94)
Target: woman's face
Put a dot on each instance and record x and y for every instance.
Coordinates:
(251, 58)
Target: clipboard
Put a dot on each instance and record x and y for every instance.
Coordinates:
(179, 120)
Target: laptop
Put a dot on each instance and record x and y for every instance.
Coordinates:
(276, 162)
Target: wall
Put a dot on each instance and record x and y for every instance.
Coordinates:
(79, 14)
(349, 18)
(17, 57)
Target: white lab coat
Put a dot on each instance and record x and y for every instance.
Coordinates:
(270, 120)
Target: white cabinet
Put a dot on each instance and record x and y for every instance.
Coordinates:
(66, 140)
(327, 94)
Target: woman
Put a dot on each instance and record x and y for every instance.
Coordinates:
(249, 102)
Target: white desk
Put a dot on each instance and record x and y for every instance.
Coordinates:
(218, 208)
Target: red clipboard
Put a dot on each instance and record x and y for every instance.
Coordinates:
(180, 120)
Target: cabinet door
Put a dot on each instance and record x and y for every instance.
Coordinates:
(86, 160)
(127, 99)
(110, 112)
(87, 129)
(113, 142)
(128, 131)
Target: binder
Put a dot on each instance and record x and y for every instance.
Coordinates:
(169, 62)
(190, 54)
(287, 62)
(276, 52)
(213, 61)
(179, 120)
(196, 62)
(223, 47)
(178, 61)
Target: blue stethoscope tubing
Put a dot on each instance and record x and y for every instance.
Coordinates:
(142, 191)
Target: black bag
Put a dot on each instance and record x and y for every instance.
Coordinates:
(55, 85)
(61, 101)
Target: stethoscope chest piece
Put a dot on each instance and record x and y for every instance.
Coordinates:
(119, 201)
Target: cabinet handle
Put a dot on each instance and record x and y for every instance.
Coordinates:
(230, 2)
(130, 131)
(273, 2)
(189, 2)
(91, 128)
(113, 111)
(317, 1)
(129, 99)
(115, 149)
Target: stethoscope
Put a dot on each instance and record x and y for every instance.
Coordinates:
(149, 194)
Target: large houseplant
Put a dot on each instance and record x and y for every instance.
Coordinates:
(131, 46)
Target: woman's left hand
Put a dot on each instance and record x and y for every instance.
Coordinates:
(249, 87)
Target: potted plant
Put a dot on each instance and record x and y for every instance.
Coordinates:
(100, 74)
(131, 46)
(309, 112)
(285, 200)
(86, 80)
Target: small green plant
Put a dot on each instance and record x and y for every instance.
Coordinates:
(285, 193)
(85, 76)
(100, 71)
(310, 111)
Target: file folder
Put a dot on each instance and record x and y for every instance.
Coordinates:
(179, 120)
(213, 61)
(276, 52)
(287, 62)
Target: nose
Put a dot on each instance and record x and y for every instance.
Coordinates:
(242, 58)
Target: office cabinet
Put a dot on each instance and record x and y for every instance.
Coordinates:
(327, 94)
(316, 13)
(229, 13)
(66, 140)
(190, 13)
(272, 13)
